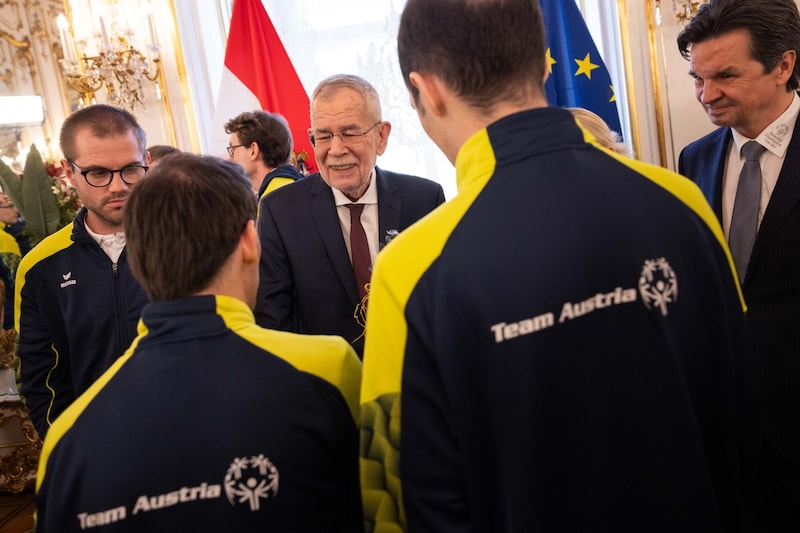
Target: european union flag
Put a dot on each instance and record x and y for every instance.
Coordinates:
(578, 77)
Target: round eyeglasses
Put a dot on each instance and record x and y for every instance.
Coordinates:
(102, 177)
(349, 138)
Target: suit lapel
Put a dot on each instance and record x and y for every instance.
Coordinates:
(389, 207)
(783, 199)
(714, 158)
(323, 211)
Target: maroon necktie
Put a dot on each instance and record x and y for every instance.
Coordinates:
(359, 249)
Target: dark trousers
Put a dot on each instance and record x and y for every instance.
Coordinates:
(778, 492)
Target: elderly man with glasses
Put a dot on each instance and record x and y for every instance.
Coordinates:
(77, 303)
(320, 235)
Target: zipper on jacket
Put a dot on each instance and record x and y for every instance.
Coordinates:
(114, 270)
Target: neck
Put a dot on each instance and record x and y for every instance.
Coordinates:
(101, 227)
(466, 120)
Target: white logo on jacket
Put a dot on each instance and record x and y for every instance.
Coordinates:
(657, 287)
(247, 480)
(250, 480)
(67, 281)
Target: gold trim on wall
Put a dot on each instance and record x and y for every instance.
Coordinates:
(180, 63)
(656, 80)
(622, 14)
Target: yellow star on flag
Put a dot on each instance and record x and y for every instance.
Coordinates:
(550, 62)
(585, 66)
(613, 94)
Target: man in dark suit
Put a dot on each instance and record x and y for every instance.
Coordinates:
(309, 248)
(743, 56)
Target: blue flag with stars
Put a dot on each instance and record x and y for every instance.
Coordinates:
(578, 77)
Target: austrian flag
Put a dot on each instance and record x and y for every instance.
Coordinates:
(258, 74)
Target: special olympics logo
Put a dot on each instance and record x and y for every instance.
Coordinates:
(658, 285)
(250, 480)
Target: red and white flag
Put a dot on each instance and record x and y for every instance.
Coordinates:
(259, 75)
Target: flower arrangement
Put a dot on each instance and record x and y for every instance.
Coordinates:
(65, 192)
(43, 196)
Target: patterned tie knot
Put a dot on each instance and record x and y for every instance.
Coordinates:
(752, 151)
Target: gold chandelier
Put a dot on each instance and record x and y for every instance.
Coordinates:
(685, 10)
(104, 56)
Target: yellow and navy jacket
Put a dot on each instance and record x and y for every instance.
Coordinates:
(10, 256)
(561, 347)
(277, 178)
(209, 423)
(75, 312)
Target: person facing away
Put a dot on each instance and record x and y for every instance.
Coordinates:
(311, 282)
(261, 143)
(76, 302)
(603, 135)
(562, 346)
(743, 56)
(208, 422)
(159, 151)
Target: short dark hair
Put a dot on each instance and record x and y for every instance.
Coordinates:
(103, 121)
(774, 27)
(269, 130)
(158, 151)
(183, 221)
(485, 51)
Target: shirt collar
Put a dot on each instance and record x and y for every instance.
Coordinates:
(369, 197)
(775, 137)
(107, 240)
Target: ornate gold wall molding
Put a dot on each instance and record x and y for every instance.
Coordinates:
(28, 58)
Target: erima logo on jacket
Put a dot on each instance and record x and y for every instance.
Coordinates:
(657, 287)
(67, 280)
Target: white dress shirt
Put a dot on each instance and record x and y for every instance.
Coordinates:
(369, 216)
(111, 244)
(775, 138)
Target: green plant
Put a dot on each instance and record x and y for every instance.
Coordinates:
(43, 200)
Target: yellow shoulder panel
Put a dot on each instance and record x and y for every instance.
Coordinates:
(326, 356)
(47, 247)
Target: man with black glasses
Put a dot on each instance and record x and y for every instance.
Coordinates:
(261, 143)
(320, 235)
(77, 303)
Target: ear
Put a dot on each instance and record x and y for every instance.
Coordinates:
(255, 151)
(250, 244)
(786, 66)
(147, 158)
(384, 130)
(431, 92)
(67, 168)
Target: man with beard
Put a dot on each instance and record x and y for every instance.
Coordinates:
(77, 303)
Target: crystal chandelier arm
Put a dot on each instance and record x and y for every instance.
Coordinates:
(118, 67)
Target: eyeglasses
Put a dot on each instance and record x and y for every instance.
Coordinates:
(349, 138)
(102, 177)
(232, 147)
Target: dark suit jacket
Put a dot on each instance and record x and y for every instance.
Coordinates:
(307, 283)
(771, 285)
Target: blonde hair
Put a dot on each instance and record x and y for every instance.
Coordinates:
(604, 135)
